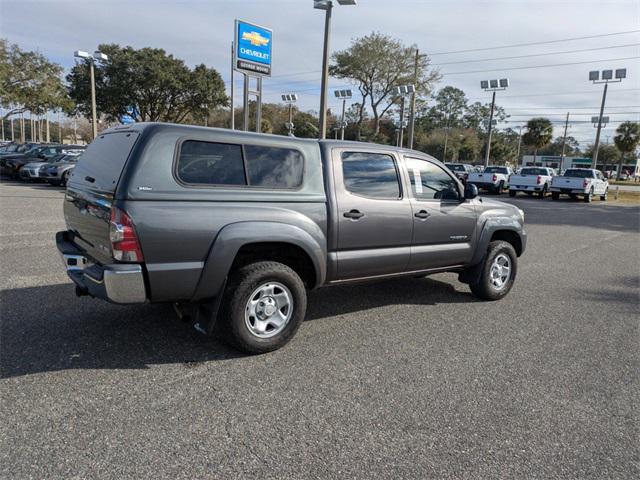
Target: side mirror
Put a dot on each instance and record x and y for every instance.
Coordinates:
(470, 191)
(450, 194)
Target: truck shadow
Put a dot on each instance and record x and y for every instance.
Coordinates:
(48, 328)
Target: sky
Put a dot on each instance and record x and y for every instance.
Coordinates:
(201, 31)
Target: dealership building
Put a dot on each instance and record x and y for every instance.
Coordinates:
(558, 162)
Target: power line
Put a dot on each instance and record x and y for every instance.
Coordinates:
(534, 43)
(540, 66)
(535, 55)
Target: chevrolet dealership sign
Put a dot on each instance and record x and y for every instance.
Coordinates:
(252, 50)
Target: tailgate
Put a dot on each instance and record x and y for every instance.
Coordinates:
(524, 180)
(91, 190)
(567, 182)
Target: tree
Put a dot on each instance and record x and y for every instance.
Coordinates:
(477, 116)
(378, 63)
(608, 154)
(627, 140)
(571, 147)
(539, 134)
(157, 86)
(29, 82)
(448, 111)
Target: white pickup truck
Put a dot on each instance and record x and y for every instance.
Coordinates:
(531, 180)
(493, 178)
(580, 181)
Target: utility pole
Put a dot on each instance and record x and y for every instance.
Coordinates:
(564, 143)
(13, 137)
(2, 119)
(412, 109)
(596, 147)
(59, 127)
(344, 106)
(492, 86)
(446, 137)
(94, 115)
(233, 120)
(519, 143)
(48, 130)
(322, 131)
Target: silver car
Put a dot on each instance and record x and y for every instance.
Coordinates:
(36, 171)
(57, 173)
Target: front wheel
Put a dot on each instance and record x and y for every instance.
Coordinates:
(264, 304)
(496, 273)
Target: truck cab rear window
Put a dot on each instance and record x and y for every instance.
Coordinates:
(207, 163)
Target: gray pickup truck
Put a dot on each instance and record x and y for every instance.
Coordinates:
(233, 228)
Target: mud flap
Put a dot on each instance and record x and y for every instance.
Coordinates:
(202, 316)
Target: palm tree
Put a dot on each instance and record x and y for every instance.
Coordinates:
(539, 134)
(627, 140)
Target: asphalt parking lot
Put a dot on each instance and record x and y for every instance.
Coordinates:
(409, 378)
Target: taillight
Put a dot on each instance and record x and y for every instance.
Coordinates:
(539, 180)
(125, 246)
(495, 177)
(585, 183)
(465, 176)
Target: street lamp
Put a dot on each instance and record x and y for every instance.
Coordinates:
(327, 6)
(606, 78)
(100, 57)
(402, 91)
(344, 95)
(492, 86)
(290, 98)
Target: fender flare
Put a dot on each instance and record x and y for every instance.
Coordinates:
(491, 226)
(234, 236)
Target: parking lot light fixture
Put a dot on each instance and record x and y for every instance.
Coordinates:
(290, 98)
(344, 95)
(91, 59)
(492, 86)
(606, 77)
(327, 6)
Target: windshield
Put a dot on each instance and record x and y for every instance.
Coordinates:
(10, 148)
(455, 167)
(579, 173)
(495, 170)
(534, 171)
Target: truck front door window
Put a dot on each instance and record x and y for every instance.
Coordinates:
(428, 181)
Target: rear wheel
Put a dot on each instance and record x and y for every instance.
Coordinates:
(604, 198)
(588, 197)
(573, 196)
(499, 188)
(543, 192)
(496, 274)
(512, 193)
(264, 304)
(555, 196)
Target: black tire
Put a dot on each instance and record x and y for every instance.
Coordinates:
(512, 193)
(64, 179)
(605, 197)
(573, 196)
(481, 286)
(588, 197)
(543, 192)
(555, 196)
(242, 283)
(500, 188)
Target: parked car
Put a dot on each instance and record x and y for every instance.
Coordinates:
(243, 224)
(461, 170)
(494, 179)
(13, 164)
(580, 181)
(531, 180)
(57, 173)
(38, 171)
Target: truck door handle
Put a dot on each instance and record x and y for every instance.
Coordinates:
(89, 179)
(422, 214)
(355, 214)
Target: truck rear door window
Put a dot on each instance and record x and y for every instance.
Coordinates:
(207, 163)
(274, 167)
(371, 175)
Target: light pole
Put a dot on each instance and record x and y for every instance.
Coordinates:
(607, 77)
(344, 95)
(492, 86)
(97, 56)
(327, 6)
(290, 98)
(402, 91)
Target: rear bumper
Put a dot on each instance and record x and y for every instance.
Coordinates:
(483, 185)
(526, 188)
(117, 283)
(568, 191)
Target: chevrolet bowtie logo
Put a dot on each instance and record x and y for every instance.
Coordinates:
(255, 39)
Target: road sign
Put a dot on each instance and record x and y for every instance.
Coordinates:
(253, 46)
